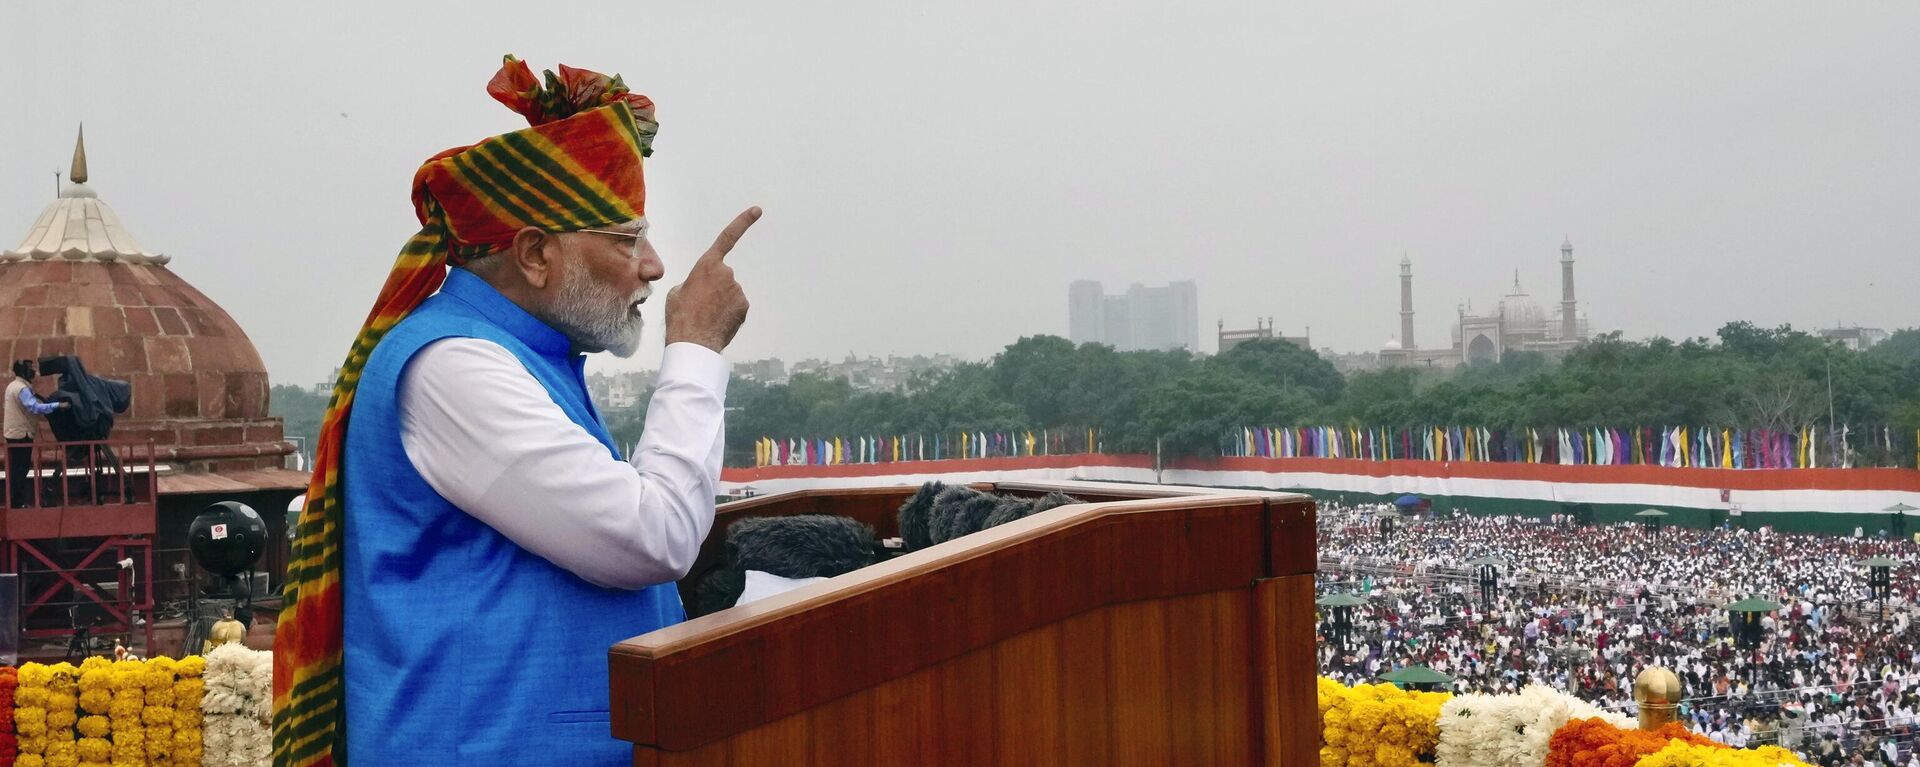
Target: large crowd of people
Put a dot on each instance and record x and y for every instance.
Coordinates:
(1585, 608)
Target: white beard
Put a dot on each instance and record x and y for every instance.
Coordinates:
(596, 318)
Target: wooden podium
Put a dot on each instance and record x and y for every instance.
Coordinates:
(1148, 626)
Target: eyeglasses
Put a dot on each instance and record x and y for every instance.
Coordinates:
(636, 237)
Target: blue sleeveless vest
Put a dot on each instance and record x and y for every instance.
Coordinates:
(461, 647)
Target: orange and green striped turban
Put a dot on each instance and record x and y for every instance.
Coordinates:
(577, 167)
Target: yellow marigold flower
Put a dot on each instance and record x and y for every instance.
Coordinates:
(96, 678)
(34, 674)
(128, 674)
(29, 697)
(190, 666)
(93, 726)
(187, 748)
(30, 722)
(95, 701)
(95, 750)
(124, 709)
(63, 754)
(187, 692)
(60, 723)
(129, 744)
(159, 744)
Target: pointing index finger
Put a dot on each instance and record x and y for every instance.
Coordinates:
(730, 236)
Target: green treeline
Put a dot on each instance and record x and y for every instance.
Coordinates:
(1745, 377)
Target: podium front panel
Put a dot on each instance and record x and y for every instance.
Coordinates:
(1167, 630)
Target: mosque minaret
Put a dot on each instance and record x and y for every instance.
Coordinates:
(1517, 325)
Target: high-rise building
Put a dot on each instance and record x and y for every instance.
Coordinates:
(1086, 312)
(1158, 318)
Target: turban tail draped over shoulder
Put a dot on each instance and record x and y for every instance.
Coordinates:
(578, 166)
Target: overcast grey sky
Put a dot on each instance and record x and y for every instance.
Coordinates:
(934, 173)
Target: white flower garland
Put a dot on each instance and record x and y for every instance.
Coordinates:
(1478, 730)
(237, 707)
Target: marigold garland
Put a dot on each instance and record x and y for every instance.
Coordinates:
(63, 706)
(188, 688)
(96, 699)
(1377, 724)
(129, 698)
(132, 713)
(9, 746)
(103, 713)
(30, 714)
(1683, 754)
(1599, 743)
(1479, 730)
(157, 682)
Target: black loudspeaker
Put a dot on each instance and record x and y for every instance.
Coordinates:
(9, 619)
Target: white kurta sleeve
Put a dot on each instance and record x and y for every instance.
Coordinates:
(487, 437)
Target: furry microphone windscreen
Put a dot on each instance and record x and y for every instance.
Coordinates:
(1051, 500)
(938, 513)
(945, 506)
(970, 516)
(719, 590)
(913, 516)
(1013, 509)
(1010, 509)
(801, 546)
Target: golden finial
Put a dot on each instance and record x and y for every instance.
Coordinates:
(226, 631)
(1659, 693)
(79, 173)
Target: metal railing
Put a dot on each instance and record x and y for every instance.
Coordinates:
(95, 473)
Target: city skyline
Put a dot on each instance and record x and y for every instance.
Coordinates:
(1294, 155)
(1151, 318)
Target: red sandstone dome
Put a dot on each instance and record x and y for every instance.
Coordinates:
(79, 284)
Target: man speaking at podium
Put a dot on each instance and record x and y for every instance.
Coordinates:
(473, 540)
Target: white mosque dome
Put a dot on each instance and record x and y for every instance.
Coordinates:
(1518, 311)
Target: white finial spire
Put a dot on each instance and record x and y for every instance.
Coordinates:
(80, 227)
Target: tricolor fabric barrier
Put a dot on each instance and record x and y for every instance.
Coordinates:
(1672, 446)
(1378, 725)
(939, 446)
(1809, 500)
(162, 712)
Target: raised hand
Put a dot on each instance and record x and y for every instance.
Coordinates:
(709, 306)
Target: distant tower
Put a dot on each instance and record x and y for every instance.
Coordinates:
(1406, 303)
(1569, 327)
(1086, 312)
